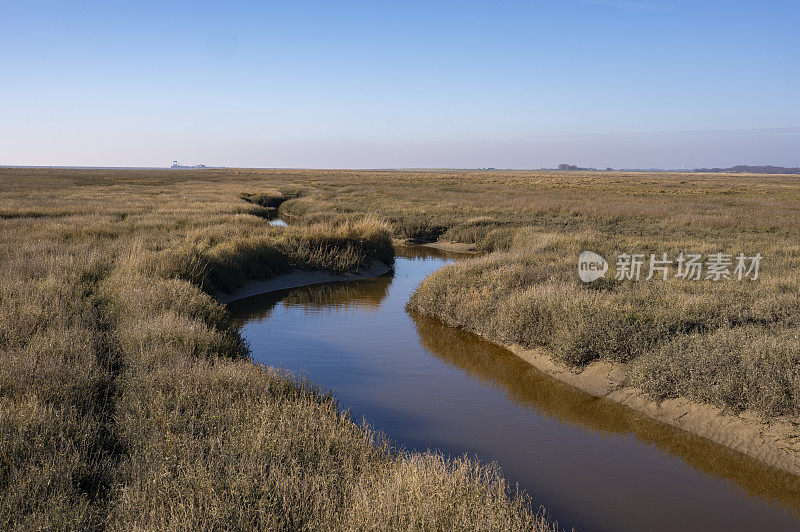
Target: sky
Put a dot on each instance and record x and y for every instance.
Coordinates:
(298, 83)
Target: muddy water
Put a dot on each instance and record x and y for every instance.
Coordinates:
(593, 463)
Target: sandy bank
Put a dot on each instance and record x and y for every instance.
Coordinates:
(775, 441)
(301, 278)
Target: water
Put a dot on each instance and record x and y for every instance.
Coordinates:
(594, 464)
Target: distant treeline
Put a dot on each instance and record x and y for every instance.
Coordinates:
(571, 167)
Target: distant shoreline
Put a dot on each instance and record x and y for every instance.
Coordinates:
(739, 169)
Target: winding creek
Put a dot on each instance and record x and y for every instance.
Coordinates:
(595, 464)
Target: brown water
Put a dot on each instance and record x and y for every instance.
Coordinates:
(595, 464)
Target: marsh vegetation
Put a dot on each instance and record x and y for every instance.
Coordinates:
(127, 396)
(128, 399)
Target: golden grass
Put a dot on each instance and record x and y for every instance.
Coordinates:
(127, 398)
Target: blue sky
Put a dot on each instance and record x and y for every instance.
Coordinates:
(515, 84)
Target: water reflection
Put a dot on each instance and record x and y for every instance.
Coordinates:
(340, 296)
(315, 299)
(526, 386)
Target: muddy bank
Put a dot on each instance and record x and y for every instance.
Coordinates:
(301, 278)
(773, 441)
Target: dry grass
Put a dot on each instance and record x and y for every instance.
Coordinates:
(127, 398)
(428, 204)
